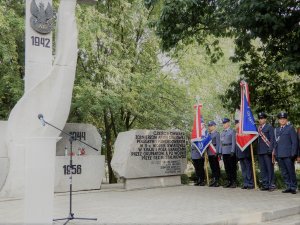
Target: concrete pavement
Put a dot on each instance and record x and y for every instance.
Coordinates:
(171, 205)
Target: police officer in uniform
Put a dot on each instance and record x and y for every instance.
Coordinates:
(245, 162)
(264, 150)
(213, 153)
(198, 163)
(227, 149)
(285, 151)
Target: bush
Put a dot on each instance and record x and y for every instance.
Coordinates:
(278, 178)
(185, 179)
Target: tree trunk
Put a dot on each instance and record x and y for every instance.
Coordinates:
(108, 141)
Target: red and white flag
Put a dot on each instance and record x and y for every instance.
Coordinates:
(200, 138)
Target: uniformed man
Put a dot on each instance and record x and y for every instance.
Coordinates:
(213, 152)
(244, 157)
(227, 148)
(198, 162)
(298, 132)
(264, 150)
(285, 151)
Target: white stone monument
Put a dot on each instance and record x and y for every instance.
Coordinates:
(48, 90)
(89, 164)
(50, 96)
(84, 132)
(150, 158)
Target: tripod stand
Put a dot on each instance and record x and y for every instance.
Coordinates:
(71, 139)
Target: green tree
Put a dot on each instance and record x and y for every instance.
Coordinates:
(11, 55)
(119, 84)
(266, 35)
(209, 80)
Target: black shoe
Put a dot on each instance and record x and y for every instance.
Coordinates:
(202, 183)
(227, 185)
(216, 184)
(244, 187)
(197, 182)
(212, 184)
(271, 189)
(287, 191)
(293, 191)
(233, 185)
(264, 189)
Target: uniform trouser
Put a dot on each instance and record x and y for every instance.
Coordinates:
(247, 174)
(199, 168)
(230, 167)
(214, 166)
(266, 170)
(287, 167)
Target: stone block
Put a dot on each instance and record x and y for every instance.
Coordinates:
(149, 153)
(152, 182)
(84, 132)
(88, 172)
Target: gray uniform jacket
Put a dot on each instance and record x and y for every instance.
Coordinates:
(227, 141)
(286, 142)
(215, 141)
(195, 154)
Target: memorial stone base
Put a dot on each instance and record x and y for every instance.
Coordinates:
(152, 182)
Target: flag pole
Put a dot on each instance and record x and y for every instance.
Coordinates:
(206, 167)
(253, 167)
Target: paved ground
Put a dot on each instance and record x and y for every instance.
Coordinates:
(187, 205)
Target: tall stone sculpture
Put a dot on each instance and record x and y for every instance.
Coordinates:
(48, 88)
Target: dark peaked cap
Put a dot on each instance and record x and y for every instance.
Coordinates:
(282, 115)
(262, 115)
(225, 120)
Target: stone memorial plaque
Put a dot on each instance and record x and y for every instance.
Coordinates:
(87, 173)
(149, 153)
(84, 132)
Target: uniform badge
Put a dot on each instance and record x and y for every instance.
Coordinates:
(42, 19)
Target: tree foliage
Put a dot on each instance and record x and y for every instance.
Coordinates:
(209, 80)
(11, 55)
(119, 84)
(266, 35)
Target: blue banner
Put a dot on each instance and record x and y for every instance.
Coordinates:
(202, 143)
(248, 122)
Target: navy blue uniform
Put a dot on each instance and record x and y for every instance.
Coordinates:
(286, 148)
(265, 156)
(245, 161)
(212, 157)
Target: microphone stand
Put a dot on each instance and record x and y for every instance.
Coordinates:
(71, 139)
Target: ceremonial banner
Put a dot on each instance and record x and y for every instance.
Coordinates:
(212, 148)
(200, 138)
(247, 132)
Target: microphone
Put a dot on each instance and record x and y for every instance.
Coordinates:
(41, 118)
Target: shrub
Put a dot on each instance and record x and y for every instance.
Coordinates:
(185, 179)
(279, 182)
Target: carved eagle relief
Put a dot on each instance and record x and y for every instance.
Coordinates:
(42, 19)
